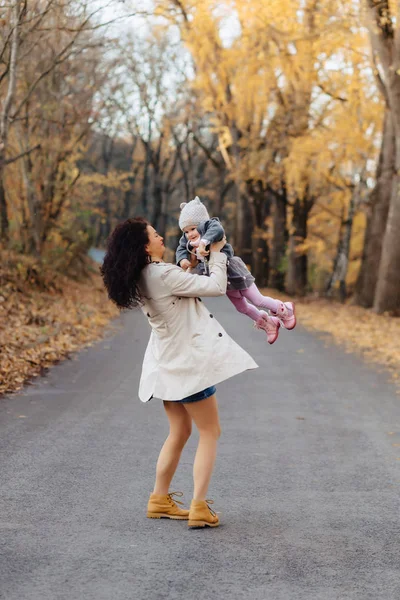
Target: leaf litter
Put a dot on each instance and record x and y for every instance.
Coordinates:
(44, 317)
(356, 329)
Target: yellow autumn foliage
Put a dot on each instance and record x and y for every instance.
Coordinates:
(293, 81)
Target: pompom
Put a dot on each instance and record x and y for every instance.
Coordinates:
(182, 205)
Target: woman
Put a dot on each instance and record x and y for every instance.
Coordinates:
(187, 355)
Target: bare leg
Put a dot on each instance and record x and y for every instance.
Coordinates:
(180, 428)
(205, 415)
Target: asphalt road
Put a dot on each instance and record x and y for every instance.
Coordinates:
(307, 480)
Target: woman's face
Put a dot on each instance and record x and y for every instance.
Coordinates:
(155, 247)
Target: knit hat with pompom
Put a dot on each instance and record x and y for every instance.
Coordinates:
(192, 213)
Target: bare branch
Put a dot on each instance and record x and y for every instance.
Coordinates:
(183, 12)
(379, 80)
(381, 31)
(60, 57)
(21, 154)
(328, 93)
(206, 151)
(98, 25)
(6, 42)
(17, 15)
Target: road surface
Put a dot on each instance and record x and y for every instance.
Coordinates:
(307, 480)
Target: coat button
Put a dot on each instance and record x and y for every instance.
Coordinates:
(220, 335)
(212, 316)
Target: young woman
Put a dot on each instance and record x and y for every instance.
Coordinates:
(187, 355)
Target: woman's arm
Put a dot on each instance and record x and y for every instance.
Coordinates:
(180, 283)
(193, 261)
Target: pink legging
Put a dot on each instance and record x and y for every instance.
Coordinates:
(239, 299)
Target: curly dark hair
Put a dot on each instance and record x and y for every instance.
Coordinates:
(124, 261)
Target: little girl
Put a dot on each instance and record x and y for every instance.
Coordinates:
(198, 232)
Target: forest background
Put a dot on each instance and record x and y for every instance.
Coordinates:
(282, 115)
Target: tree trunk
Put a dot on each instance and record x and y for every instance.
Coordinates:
(163, 218)
(387, 294)
(342, 257)
(4, 223)
(34, 225)
(146, 183)
(259, 204)
(127, 203)
(348, 229)
(279, 241)
(260, 263)
(12, 66)
(105, 220)
(298, 260)
(244, 228)
(384, 32)
(158, 201)
(377, 218)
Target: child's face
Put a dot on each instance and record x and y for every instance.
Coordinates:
(191, 233)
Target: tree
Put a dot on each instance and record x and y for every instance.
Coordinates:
(270, 91)
(41, 38)
(378, 209)
(384, 28)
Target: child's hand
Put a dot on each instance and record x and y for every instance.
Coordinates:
(202, 249)
(184, 264)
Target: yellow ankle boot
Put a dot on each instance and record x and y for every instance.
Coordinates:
(201, 515)
(160, 507)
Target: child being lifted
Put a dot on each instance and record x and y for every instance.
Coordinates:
(199, 230)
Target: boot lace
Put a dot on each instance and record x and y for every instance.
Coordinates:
(208, 502)
(172, 500)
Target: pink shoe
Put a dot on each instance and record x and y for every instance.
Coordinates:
(286, 313)
(270, 325)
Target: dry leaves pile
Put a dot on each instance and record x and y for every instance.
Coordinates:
(44, 317)
(376, 337)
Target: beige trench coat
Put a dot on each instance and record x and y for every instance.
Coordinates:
(188, 349)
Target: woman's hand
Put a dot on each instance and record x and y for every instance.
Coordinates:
(184, 264)
(217, 246)
(193, 261)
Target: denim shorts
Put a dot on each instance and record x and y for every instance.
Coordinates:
(200, 395)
